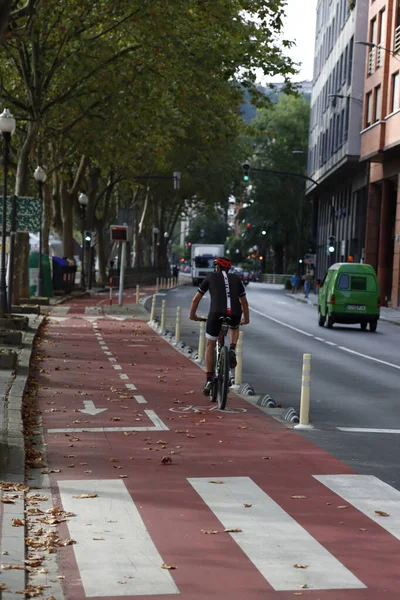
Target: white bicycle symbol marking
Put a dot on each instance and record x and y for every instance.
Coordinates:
(197, 409)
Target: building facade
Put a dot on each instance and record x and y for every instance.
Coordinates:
(380, 145)
(339, 191)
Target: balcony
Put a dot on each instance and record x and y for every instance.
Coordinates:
(371, 61)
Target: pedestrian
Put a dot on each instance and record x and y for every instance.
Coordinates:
(295, 282)
(307, 284)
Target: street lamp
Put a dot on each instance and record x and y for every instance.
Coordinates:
(155, 232)
(373, 45)
(343, 97)
(83, 202)
(7, 128)
(40, 177)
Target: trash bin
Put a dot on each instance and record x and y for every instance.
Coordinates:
(64, 271)
(34, 275)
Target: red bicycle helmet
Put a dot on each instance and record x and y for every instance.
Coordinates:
(223, 263)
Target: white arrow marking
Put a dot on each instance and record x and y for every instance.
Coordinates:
(90, 408)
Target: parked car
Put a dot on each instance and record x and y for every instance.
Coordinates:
(349, 293)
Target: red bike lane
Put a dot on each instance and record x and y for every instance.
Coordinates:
(187, 501)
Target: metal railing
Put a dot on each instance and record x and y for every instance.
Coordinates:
(276, 278)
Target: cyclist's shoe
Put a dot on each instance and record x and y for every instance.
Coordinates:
(232, 359)
(208, 388)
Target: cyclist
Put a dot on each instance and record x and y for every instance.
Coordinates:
(228, 299)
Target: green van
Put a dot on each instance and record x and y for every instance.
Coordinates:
(349, 293)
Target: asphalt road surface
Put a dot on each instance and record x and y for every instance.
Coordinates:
(355, 376)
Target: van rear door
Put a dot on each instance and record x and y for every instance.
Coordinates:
(356, 293)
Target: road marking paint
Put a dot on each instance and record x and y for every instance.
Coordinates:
(282, 323)
(368, 494)
(319, 339)
(103, 346)
(330, 343)
(367, 430)
(123, 376)
(155, 419)
(271, 538)
(114, 517)
(59, 319)
(112, 359)
(92, 319)
(108, 354)
(140, 399)
(117, 367)
(138, 345)
(378, 360)
(130, 386)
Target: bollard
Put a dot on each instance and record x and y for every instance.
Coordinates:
(239, 358)
(202, 341)
(111, 290)
(163, 314)
(153, 308)
(137, 294)
(305, 391)
(178, 325)
(157, 284)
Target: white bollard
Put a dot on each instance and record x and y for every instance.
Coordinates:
(163, 314)
(239, 358)
(153, 308)
(111, 291)
(157, 284)
(202, 341)
(137, 294)
(178, 325)
(304, 422)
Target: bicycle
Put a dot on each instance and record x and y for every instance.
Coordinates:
(222, 376)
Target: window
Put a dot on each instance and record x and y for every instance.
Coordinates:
(344, 282)
(358, 283)
(350, 56)
(395, 92)
(378, 103)
(368, 113)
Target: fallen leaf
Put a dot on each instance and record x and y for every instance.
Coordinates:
(343, 506)
(382, 513)
(98, 539)
(209, 531)
(215, 481)
(300, 566)
(299, 497)
(232, 530)
(247, 505)
(18, 523)
(362, 529)
(169, 567)
(266, 457)
(85, 496)
(166, 460)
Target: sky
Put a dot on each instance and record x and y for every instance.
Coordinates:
(300, 28)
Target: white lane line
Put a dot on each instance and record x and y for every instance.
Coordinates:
(108, 353)
(378, 360)
(158, 426)
(140, 399)
(319, 339)
(112, 359)
(117, 367)
(123, 376)
(271, 538)
(258, 312)
(367, 430)
(330, 343)
(130, 386)
(113, 517)
(368, 494)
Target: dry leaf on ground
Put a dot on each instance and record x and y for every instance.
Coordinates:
(215, 481)
(209, 531)
(85, 496)
(169, 567)
(382, 513)
(232, 530)
(299, 497)
(300, 566)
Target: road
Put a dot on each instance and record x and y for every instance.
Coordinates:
(355, 374)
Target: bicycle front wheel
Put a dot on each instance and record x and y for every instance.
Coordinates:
(223, 378)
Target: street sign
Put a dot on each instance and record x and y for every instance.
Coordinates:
(310, 259)
(119, 233)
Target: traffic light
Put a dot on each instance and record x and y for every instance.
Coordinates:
(246, 171)
(331, 244)
(189, 244)
(87, 237)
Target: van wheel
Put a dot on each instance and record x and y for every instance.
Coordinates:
(373, 325)
(321, 319)
(363, 326)
(330, 323)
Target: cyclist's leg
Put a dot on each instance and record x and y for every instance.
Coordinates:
(234, 335)
(212, 331)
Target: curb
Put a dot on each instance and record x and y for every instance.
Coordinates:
(12, 539)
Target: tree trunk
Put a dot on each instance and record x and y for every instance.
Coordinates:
(56, 222)
(47, 215)
(66, 210)
(22, 177)
(101, 256)
(21, 269)
(278, 249)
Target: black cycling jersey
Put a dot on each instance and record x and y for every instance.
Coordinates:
(215, 284)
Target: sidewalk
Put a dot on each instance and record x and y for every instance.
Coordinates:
(389, 315)
(143, 489)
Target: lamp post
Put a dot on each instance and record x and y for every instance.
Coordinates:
(83, 202)
(156, 231)
(40, 177)
(7, 128)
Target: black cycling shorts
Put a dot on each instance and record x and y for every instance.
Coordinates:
(213, 326)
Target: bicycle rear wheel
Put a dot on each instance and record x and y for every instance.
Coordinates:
(223, 378)
(214, 389)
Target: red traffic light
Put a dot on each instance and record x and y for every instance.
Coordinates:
(248, 226)
(189, 244)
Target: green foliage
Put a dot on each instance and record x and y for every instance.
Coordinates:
(208, 228)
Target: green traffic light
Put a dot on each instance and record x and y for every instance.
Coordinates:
(246, 178)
